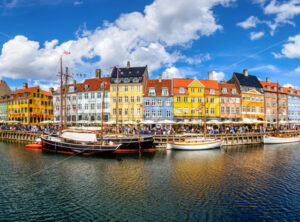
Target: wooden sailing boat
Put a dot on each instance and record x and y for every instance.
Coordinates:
(197, 143)
(77, 142)
(277, 139)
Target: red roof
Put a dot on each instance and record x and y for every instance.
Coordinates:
(94, 84)
(211, 84)
(27, 90)
(271, 86)
(181, 83)
(154, 83)
(293, 91)
(229, 88)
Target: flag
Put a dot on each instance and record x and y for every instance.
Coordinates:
(66, 52)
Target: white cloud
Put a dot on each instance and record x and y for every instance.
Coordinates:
(288, 85)
(290, 49)
(143, 38)
(256, 35)
(172, 72)
(265, 68)
(218, 75)
(297, 69)
(78, 2)
(250, 22)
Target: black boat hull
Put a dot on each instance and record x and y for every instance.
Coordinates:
(82, 149)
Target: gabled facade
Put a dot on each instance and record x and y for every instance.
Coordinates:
(4, 88)
(230, 102)
(252, 94)
(130, 82)
(4, 107)
(274, 93)
(158, 99)
(188, 97)
(293, 102)
(83, 101)
(30, 105)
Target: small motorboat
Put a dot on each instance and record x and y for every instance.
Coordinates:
(196, 144)
(280, 139)
(35, 146)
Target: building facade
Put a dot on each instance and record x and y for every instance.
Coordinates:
(83, 101)
(158, 99)
(30, 105)
(293, 101)
(4, 107)
(188, 99)
(4, 88)
(230, 102)
(126, 93)
(252, 95)
(274, 94)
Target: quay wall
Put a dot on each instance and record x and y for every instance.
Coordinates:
(161, 141)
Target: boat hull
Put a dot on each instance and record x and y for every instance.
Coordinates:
(279, 140)
(132, 144)
(195, 146)
(82, 149)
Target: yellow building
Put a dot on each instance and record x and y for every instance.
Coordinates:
(189, 99)
(252, 94)
(126, 93)
(30, 105)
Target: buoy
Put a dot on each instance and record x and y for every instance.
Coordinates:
(34, 146)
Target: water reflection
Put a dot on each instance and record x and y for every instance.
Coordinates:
(245, 182)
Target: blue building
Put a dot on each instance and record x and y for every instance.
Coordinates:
(293, 104)
(158, 99)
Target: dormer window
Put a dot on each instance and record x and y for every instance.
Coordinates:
(117, 80)
(281, 89)
(233, 91)
(72, 89)
(152, 91)
(138, 72)
(181, 90)
(275, 88)
(212, 91)
(126, 80)
(268, 87)
(86, 87)
(224, 90)
(135, 79)
(122, 73)
(165, 92)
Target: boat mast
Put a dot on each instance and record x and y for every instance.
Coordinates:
(117, 101)
(65, 99)
(277, 115)
(204, 126)
(61, 96)
(102, 115)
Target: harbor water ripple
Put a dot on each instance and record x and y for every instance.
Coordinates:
(245, 183)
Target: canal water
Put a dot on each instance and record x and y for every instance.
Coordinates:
(246, 183)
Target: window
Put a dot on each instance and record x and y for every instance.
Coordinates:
(168, 102)
(147, 102)
(151, 92)
(186, 99)
(237, 110)
(147, 113)
(159, 113)
(80, 96)
(114, 99)
(153, 102)
(227, 100)
(192, 110)
(120, 111)
(186, 110)
(98, 95)
(261, 98)
(232, 110)
(253, 98)
(126, 111)
(248, 108)
(181, 90)
(261, 109)
(132, 99)
(165, 92)
(135, 79)
(237, 100)
(120, 88)
(80, 106)
(233, 91)
(227, 110)
(168, 113)
(199, 90)
(138, 88)
(224, 90)
(212, 111)
(178, 99)
(199, 100)
(92, 95)
(114, 111)
(74, 107)
(212, 100)
(138, 111)
(132, 88)
(74, 98)
(132, 111)
(159, 103)
(253, 109)
(248, 98)
(86, 106)
(126, 99)
(257, 109)
(192, 90)
(120, 99)
(114, 89)
(153, 113)
(222, 99)
(212, 91)
(244, 97)
(86, 96)
(126, 80)
(179, 110)
(192, 99)
(138, 99)
(244, 108)
(222, 109)
(257, 98)
(98, 105)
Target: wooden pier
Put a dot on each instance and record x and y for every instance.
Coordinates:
(18, 136)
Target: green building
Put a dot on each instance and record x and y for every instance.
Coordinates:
(4, 107)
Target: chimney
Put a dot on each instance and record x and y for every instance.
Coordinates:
(51, 90)
(128, 64)
(159, 78)
(74, 82)
(98, 73)
(245, 72)
(210, 76)
(268, 79)
(25, 85)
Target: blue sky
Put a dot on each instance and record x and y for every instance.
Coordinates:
(175, 38)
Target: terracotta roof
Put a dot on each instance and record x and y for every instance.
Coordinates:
(294, 91)
(94, 84)
(181, 83)
(46, 93)
(229, 88)
(158, 86)
(5, 100)
(210, 84)
(27, 90)
(271, 85)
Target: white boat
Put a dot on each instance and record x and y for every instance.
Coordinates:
(196, 144)
(280, 139)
